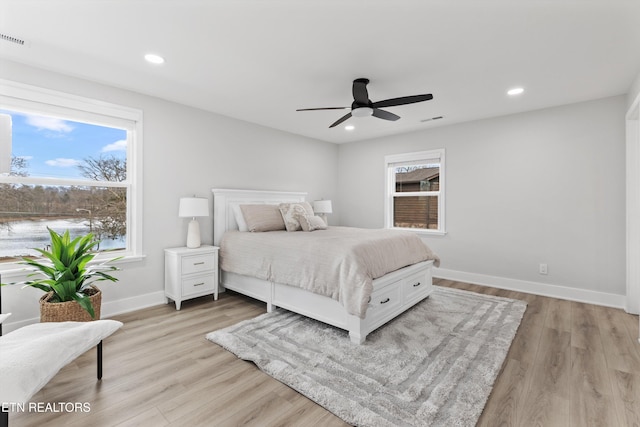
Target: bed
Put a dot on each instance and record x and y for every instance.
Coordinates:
(388, 295)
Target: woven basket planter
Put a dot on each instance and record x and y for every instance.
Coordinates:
(70, 311)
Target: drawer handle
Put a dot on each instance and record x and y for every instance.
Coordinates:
(199, 284)
(416, 285)
(198, 263)
(385, 301)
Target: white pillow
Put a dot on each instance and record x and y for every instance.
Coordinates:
(262, 217)
(237, 213)
(312, 223)
(290, 213)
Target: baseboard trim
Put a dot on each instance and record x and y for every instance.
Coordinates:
(536, 288)
(109, 309)
(126, 305)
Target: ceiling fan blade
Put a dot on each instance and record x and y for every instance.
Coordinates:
(360, 94)
(385, 115)
(402, 100)
(322, 108)
(340, 120)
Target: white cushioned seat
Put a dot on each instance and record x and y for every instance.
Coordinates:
(32, 355)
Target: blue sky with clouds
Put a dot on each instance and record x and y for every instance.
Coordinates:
(54, 147)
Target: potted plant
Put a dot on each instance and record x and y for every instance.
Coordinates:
(68, 278)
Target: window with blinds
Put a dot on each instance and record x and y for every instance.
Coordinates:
(415, 191)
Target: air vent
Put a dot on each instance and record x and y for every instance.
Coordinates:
(432, 118)
(11, 39)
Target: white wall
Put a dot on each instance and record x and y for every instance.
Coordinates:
(634, 91)
(186, 151)
(546, 186)
(633, 199)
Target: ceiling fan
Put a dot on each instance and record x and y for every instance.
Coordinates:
(363, 107)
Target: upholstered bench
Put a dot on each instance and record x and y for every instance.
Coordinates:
(32, 355)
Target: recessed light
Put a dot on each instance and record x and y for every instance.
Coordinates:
(154, 59)
(515, 91)
(349, 127)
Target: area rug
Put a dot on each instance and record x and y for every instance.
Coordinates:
(435, 365)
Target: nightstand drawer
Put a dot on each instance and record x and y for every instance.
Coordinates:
(198, 284)
(197, 263)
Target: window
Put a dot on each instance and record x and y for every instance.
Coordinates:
(67, 163)
(414, 198)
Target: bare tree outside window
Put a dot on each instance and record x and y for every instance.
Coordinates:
(106, 207)
(19, 166)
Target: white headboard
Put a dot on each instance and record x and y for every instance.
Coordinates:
(225, 199)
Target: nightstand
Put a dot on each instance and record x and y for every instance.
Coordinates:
(190, 273)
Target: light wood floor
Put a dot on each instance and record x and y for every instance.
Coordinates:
(570, 364)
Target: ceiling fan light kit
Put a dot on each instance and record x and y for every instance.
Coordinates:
(363, 107)
(362, 112)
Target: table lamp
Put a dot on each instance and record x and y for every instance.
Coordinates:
(192, 207)
(322, 207)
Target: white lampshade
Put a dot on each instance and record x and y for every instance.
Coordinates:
(193, 207)
(322, 206)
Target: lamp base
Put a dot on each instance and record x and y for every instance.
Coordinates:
(193, 234)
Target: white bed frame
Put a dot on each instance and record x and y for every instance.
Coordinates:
(392, 294)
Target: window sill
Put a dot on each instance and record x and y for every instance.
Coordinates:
(421, 231)
(15, 270)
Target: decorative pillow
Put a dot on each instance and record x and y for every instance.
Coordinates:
(237, 213)
(262, 217)
(312, 223)
(290, 213)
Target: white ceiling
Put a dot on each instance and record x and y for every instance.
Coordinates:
(260, 60)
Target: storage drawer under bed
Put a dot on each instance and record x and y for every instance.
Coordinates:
(416, 287)
(385, 299)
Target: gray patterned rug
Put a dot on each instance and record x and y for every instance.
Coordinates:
(433, 366)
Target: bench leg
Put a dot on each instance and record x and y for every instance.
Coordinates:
(99, 347)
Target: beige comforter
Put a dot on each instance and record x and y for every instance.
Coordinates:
(340, 262)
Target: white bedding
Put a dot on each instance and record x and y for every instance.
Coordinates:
(340, 262)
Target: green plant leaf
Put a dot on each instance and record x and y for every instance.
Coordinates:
(85, 303)
(86, 243)
(44, 269)
(39, 285)
(56, 243)
(65, 290)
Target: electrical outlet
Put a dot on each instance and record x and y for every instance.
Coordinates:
(543, 268)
